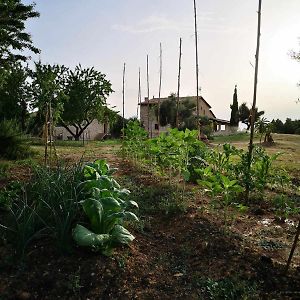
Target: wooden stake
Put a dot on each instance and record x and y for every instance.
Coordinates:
(293, 248)
(159, 89)
(46, 130)
(197, 65)
(252, 113)
(148, 95)
(123, 93)
(178, 86)
(139, 94)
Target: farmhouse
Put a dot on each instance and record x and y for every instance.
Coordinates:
(220, 126)
(95, 131)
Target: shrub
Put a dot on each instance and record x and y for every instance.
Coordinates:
(13, 144)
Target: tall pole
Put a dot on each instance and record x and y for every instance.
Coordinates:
(178, 86)
(253, 110)
(139, 94)
(159, 89)
(123, 102)
(197, 65)
(148, 95)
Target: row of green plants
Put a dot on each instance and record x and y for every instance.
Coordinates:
(223, 171)
(83, 203)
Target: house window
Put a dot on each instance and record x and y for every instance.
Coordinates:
(156, 126)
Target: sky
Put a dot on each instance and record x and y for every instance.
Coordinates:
(108, 33)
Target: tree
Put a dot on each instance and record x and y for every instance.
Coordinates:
(264, 127)
(86, 91)
(13, 38)
(245, 114)
(234, 119)
(14, 94)
(47, 89)
(168, 112)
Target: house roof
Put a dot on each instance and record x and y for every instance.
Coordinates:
(155, 100)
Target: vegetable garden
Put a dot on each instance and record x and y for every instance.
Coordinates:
(77, 224)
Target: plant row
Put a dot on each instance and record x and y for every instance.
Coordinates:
(84, 204)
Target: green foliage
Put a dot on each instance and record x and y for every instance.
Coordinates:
(234, 119)
(13, 15)
(168, 110)
(47, 206)
(228, 289)
(14, 94)
(135, 138)
(9, 194)
(285, 206)
(13, 145)
(218, 184)
(106, 206)
(289, 126)
(87, 90)
(245, 114)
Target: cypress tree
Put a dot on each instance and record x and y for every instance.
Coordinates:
(234, 119)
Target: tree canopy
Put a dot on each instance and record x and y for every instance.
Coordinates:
(185, 112)
(245, 114)
(14, 94)
(13, 38)
(87, 90)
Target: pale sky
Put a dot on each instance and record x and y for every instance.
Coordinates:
(107, 33)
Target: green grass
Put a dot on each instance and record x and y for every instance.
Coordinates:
(238, 137)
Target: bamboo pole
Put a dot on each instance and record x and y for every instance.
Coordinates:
(123, 102)
(178, 85)
(139, 95)
(252, 113)
(148, 95)
(46, 134)
(197, 65)
(159, 89)
(293, 248)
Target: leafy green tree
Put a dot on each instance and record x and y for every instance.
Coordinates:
(14, 94)
(13, 38)
(47, 89)
(185, 112)
(87, 91)
(245, 112)
(234, 119)
(264, 127)
(278, 126)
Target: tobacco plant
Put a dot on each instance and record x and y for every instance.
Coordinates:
(221, 188)
(106, 206)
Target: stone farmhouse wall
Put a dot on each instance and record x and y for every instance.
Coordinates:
(95, 131)
(204, 110)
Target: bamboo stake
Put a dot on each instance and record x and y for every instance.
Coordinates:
(178, 87)
(139, 94)
(148, 95)
(123, 103)
(46, 134)
(159, 89)
(252, 113)
(197, 65)
(293, 248)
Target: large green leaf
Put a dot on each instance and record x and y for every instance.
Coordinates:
(121, 235)
(110, 203)
(87, 238)
(94, 210)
